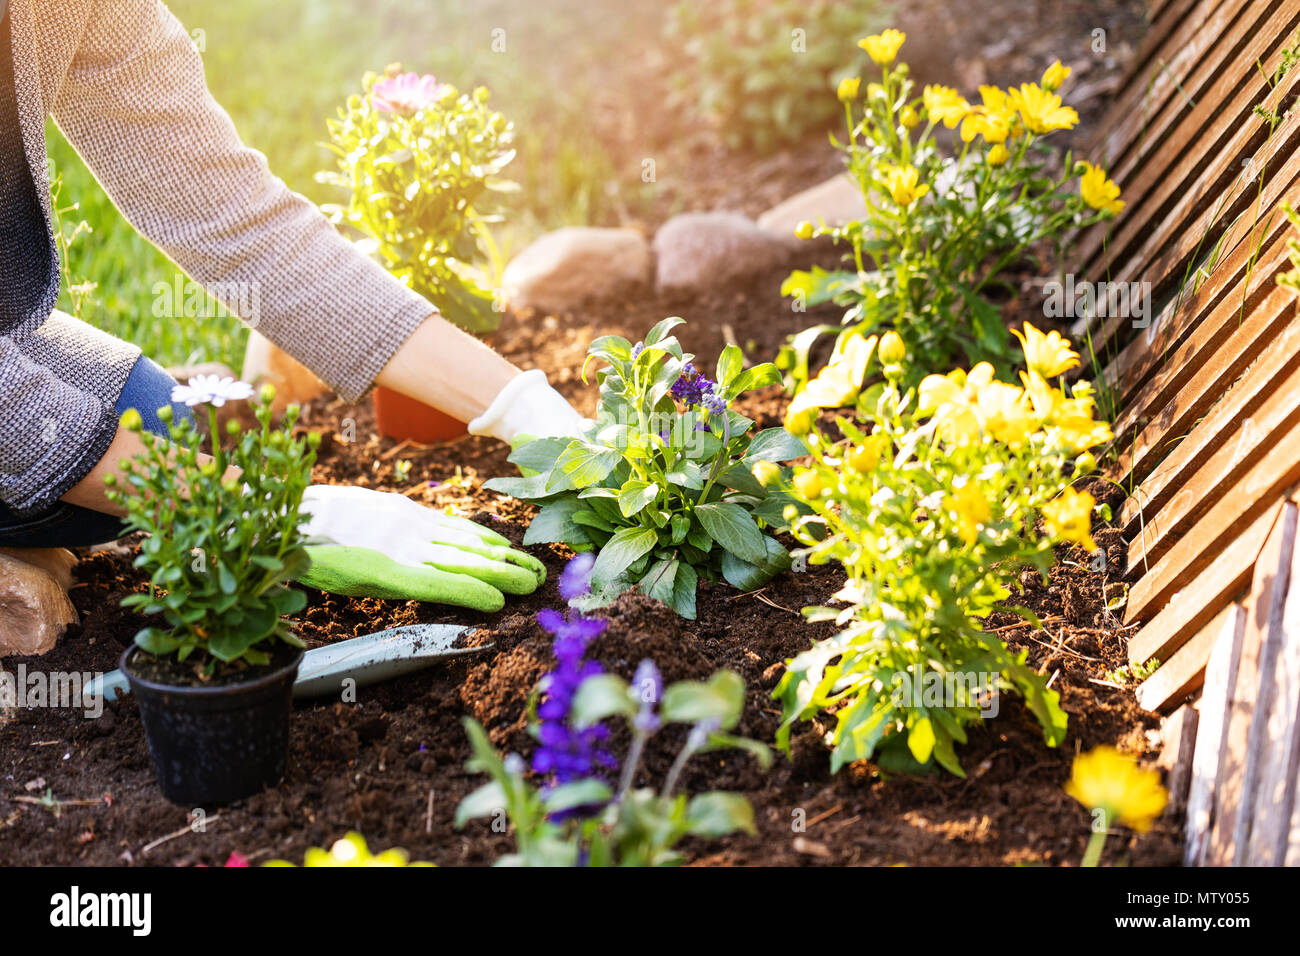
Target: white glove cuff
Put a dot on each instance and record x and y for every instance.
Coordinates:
(528, 405)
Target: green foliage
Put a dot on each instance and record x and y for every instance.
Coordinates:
(665, 493)
(633, 826)
(930, 501)
(942, 226)
(421, 184)
(219, 548)
(765, 71)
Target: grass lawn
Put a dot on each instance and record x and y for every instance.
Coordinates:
(281, 68)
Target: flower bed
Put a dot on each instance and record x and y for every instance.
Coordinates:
(392, 766)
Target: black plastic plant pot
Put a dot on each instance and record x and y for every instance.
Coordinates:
(215, 745)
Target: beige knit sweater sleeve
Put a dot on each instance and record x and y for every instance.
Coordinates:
(136, 107)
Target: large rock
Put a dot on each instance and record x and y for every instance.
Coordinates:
(700, 249)
(34, 609)
(562, 268)
(834, 202)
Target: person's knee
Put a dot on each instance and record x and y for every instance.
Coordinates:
(149, 388)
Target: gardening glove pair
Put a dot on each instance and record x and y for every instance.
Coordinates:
(366, 543)
(527, 408)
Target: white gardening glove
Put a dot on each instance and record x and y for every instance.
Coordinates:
(528, 407)
(368, 543)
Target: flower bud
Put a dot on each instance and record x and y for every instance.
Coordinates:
(892, 351)
(808, 485)
(800, 423)
(767, 473)
(1085, 464)
(909, 118)
(232, 427)
(267, 394)
(804, 230)
(132, 421)
(313, 440)
(110, 479)
(165, 414)
(848, 88)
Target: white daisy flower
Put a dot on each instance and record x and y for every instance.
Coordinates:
(211, 390)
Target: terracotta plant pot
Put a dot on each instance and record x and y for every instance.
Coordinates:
(405, 419)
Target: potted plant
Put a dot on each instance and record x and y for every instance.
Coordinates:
(420, 162)
(213, 679)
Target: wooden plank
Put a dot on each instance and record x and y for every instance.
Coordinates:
(1177, 506)
(1266, 399)
(1178, 743)
(1189, 609)
(1205, 208)
(1212, 712)
(1234, 792)
(1183, 673)
(1277, 721)
(1250, 240)
(1201, 143)
(1184, 392)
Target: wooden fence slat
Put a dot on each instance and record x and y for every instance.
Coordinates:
(1183, 673)
(1190, 608)
(1178, 742)
(1234, 793)
(1168, 183)
(1183, 393)
(1277, 720)
(1220, 679)
(1191, 495)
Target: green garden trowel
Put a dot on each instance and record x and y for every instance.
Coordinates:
(364, 660)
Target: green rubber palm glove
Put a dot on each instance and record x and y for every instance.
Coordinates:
(365, 543)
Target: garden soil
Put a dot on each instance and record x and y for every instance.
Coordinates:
(392, 765)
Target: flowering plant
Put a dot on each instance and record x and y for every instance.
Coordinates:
(939, 228)
(349, 851)
(930, 501)
(420, 161)
(219, 548)
(661, 481)
(575, 818)
(1114, 789)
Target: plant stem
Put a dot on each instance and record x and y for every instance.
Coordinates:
(1092, 855)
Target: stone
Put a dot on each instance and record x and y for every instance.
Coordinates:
(34, 609)
(57, 562)
(563, 268)
(700, 249)
(833, 202)
(268, 364)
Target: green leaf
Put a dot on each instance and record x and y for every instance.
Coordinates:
(744, 576)
(583, 464)
(760, 751)
(718, 813)
(684, 585)
(730, 363)
(720, 698)
(155, 641)
(920, 739)
(534, 486)
(759, 376)
(483, 802)
(635, 495)
(732, 527)
(538, 455)
(775, 444)
(659, 579)
(554, 522)
(599, 697)
(580, 793)
(662, 328)
(620, 552)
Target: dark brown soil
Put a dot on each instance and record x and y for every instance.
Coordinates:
(392, 764)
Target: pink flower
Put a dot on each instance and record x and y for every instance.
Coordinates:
(237, 859)
(405, 93)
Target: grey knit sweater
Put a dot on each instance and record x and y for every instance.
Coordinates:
(126, 87)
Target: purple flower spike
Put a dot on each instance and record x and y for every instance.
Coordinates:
(575, 579)
(648, 685)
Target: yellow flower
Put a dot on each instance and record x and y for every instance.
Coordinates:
(1040, 110)
(351, 851)
(901, 181)
(909, 118)
(971, 509)
(848, 89)
(1098, 191)
(1049, 355)
(1069, 517)
(1055, 75)
(952, 400)
(766, 473)
(1107, 780)
(1006, 413)
(997, 155)
(865, 457)
(992, 120)
(836, 385)
(883, 47)
(944, 105)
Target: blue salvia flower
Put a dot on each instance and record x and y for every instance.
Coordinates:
(695, 389)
